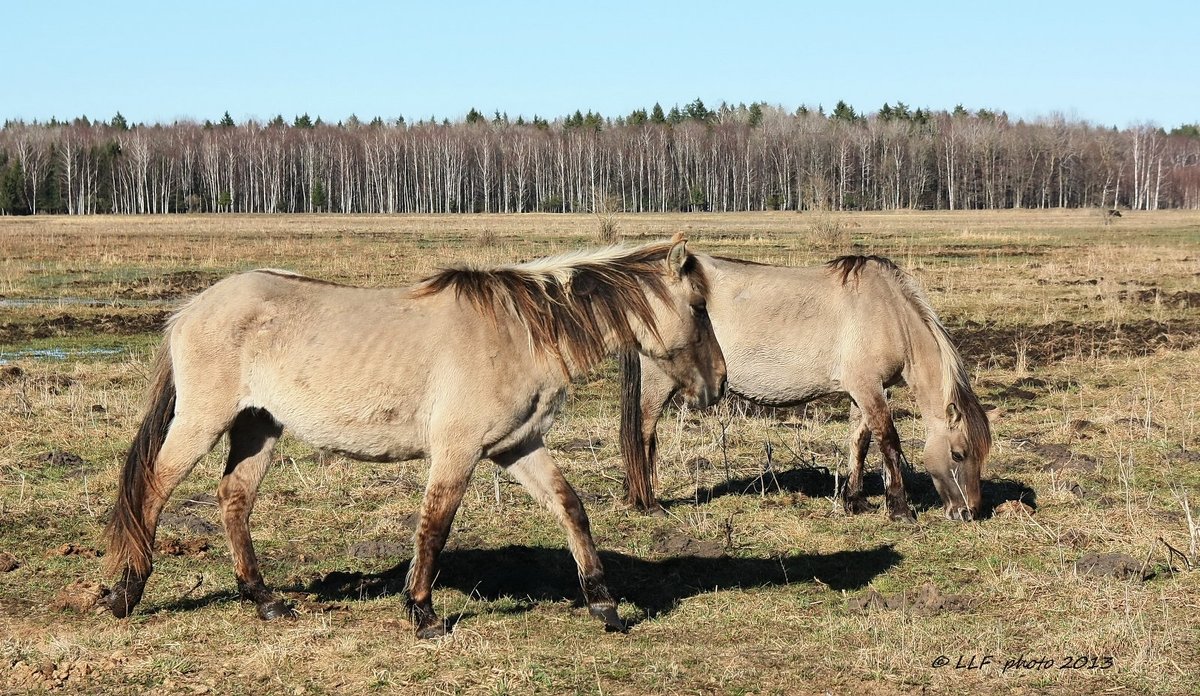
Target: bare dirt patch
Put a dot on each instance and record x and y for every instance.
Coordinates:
(376, 548)
(46, 675)
(72, 549)
(579, 444)
(1182, 299)
(167, 287)
(64, 325)
(10, 374)
(193, 547)
(74, 465)
(80, 596)
(1057, 457)
(1044, 344)
(1012, 508)
(926, 600)
(1116, 565)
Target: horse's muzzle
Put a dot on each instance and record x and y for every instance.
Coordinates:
(707, 396)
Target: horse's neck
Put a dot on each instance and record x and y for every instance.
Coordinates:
(924, 374)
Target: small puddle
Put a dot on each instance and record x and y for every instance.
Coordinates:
(57, 353)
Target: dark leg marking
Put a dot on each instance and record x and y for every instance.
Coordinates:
(853, 499)
(252, 438)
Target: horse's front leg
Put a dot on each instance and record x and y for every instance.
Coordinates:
(853, 499)
(449, 472)
(879, 419)
(534, 469)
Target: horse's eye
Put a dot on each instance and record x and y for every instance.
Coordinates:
(700, 307)
(957, 456)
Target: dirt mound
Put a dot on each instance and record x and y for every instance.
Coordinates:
(379, 549)
(926, 600)
(1012, 508)
(72, 549)
(1182, 299)
(8, 562)
(1116, 565)
(581, 444)
(45, 676)
(1057, 457)
(1044, 344)
(74, 465)
(194, 547)
(79, 596)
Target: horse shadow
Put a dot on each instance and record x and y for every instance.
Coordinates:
(819, 482)
(533, 574)
(539, 574)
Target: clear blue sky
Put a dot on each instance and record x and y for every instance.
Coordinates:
(1108, 62)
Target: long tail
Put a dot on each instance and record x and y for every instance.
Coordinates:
(129, 540)
(639, 460)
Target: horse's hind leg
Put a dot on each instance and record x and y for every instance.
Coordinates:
(192, 435)
(878, 417)
(860, 441)
(535, 470)
(449, 472)
(251, 441)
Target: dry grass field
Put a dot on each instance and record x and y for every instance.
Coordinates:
(1083, 341)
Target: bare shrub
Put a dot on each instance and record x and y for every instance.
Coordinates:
(830, 232)
(607, 229)
(487, 238)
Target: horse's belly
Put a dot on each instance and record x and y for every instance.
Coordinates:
(775, 378)
(362, 441)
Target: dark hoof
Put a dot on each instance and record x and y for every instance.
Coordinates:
(651, 509)
(277, 609)
(122, 599)
(119, 605)
(432, 631)
(859, 505)
(608, 614)
(425, 621)
(905, 516)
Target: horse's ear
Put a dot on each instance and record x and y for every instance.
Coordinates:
(678, 256)
(953, 415)
(678, 237)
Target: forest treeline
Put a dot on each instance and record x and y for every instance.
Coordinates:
(733, 158)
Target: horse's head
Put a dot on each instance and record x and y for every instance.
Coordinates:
(685, 347)
(954, 455)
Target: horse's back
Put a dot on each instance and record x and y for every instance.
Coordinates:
(347, 368)
(793, 333)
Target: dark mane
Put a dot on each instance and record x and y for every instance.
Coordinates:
(297, 277)
(852, 265)
(744, 262)
(570, 303)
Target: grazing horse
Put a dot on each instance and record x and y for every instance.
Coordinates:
(856, 325)
(469, 363)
